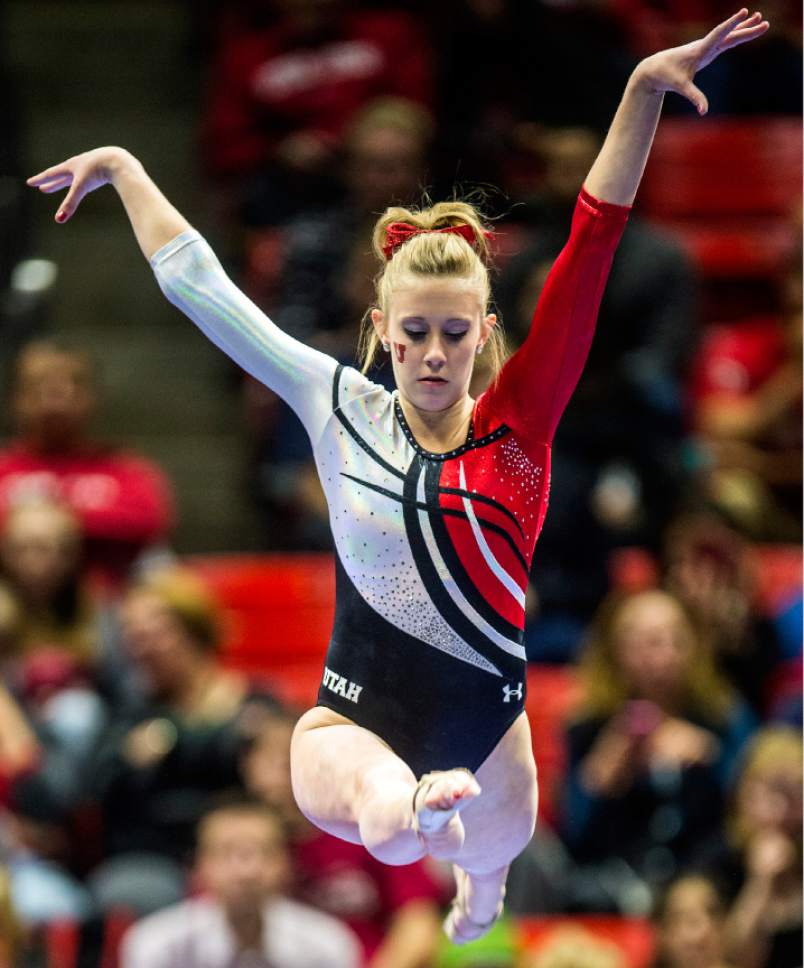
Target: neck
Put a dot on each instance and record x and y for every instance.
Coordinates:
(439, 430)
(67, 444)
(246, 924)
(192, 688)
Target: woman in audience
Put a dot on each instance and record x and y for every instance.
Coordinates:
(168, 751)
(761, 860)
(709, 567)
(690, 920)
(652, 749)
(41, 565)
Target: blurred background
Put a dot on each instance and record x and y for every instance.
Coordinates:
(165, 572)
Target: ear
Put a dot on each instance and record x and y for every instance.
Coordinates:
(487, 326)
(380, 326)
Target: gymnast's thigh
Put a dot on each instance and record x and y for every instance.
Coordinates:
(500, 822)
(330, 759)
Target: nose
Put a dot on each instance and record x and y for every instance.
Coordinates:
(435, 358)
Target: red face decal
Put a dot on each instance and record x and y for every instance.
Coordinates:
(400, 351)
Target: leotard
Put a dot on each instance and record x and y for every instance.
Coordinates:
(432, 551)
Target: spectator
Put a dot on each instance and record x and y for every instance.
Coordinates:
(242, 918)
(283, 88)
(41, 565)
(746, 397)
(19, 748)
(393, 910)
(761, 857)
(10, 931)
(708, 565)
(33, 835)
(651, 752)
(169, 750)
(690, 919)
(55, 659)
(617, 456)
(122, 501)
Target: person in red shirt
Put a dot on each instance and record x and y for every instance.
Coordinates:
(123, 502)
(394, 911)
(281, 94)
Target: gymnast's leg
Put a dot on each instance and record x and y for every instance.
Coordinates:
(347, 781)
(498, 826)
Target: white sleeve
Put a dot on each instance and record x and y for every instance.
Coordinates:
(192, 278)
(141, 948)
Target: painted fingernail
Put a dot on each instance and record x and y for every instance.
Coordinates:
(60, 216)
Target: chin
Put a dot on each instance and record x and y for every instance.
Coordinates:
(432, 400)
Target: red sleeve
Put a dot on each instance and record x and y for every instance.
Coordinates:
(141, 511)
(536, 384)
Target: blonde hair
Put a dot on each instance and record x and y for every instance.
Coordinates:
(188, 599)
(605, 689)
(771, 749)
(435, 255)
(397, 113)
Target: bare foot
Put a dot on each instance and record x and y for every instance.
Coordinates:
(436, 803)
(476, 908)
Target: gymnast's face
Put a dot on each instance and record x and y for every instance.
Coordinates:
(433, 328)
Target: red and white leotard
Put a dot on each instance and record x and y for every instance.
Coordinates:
(432, 550)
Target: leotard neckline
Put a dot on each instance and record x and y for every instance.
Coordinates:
(468, 444)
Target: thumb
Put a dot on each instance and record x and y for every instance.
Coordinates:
(696, 96)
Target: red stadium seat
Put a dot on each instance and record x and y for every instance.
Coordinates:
(278, 608)
(115, 926)
(723, 167)
(758, 249)
(553, 692)
(633, 936)
(778, 571)
(62, 940)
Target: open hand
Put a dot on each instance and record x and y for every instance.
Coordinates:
(674, 69)
(82, 174)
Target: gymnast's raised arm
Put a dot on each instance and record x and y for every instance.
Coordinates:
(538, 381)
(192, 279)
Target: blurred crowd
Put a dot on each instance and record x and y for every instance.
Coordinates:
(145, 797)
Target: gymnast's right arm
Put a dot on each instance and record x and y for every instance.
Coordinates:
(193, 280)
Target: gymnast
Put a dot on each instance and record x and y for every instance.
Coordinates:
(419, 743)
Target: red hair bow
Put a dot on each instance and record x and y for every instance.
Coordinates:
(399, 232)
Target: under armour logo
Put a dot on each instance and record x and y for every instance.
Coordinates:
(509, 692)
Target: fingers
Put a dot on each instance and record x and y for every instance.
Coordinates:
(55, 184)
(724, 29)
(738, 29)
(48, 175)
(749, 30)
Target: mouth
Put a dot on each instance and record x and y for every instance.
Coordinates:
(432, 380)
